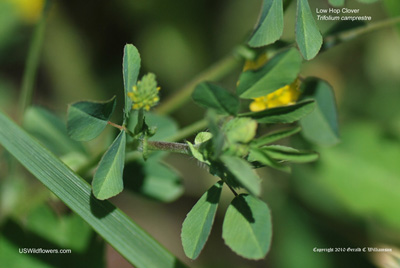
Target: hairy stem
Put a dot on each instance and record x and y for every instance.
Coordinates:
(172, 147)
(32, 61)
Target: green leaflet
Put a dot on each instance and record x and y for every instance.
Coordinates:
(209, 95)
(270, 26)
(131, 67)
(108, 181)
(308, 37)
(87, 119)
(289, 154)
(284, 114)
(260, 156)
(321, 125)
(280, 71)
(275, 136)
(117, 229)
(247, 227)
(197, 225)
(243, 173)
(336, 3)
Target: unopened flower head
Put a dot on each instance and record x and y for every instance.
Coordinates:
(145, 93)
(286, 95)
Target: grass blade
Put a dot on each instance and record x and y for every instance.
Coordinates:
(112, 224)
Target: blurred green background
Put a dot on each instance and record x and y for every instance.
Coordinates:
(349, 198)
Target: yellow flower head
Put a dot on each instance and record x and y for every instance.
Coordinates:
(286, 95)
(145, 93)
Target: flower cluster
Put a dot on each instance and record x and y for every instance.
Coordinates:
(145, 93)
(286, 95)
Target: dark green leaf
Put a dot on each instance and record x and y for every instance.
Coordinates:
(270, 26)
(87, 119)
(117, 229)
(308, 37)
(50, 130)
(289, 154)
(258, 155)
(212, 96)
(272, 137)
(108, 181)
(280, 71)
(197, 225)
(243, 173)
(131, 67)
(321, 125)
(247, 227)
(284, 114)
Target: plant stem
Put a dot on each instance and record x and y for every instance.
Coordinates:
(32, 61)
(215, 72)
(172, 147)
(338, 38)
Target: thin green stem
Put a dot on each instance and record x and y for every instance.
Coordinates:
(32, 61)
(217, 71)
(348, 35)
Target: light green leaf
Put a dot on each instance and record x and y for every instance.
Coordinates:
(258, 155)
(212, 96)
(131, 67)
(87, 119)
(111, 223)
(202, 137)
(198, 223)
(284, 114)
(308, 37)
(247, 227)
(275, 136)
(50, 130)
(336, 3)
(196, 153)
(243, 173)
(270, 26)
(108, 181)
(280, 71)
(321, 125)
(289, 154)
